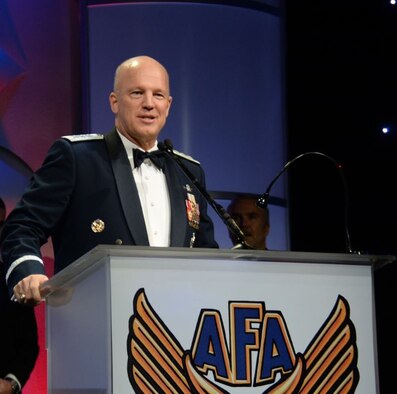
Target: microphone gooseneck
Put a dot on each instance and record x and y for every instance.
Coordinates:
(168, 148)
(264, 199)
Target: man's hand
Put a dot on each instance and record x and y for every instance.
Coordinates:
(27, 291)
(5, 387)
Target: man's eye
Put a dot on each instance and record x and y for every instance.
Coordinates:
(136, 93)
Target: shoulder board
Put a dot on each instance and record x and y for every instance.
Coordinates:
(184, 156)
(83, 137)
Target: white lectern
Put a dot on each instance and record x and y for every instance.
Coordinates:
(176, 320)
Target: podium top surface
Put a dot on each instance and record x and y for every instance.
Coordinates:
(97, 254)
(237, 254)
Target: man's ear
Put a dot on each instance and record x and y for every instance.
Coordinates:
(169, 105)
(114, 104)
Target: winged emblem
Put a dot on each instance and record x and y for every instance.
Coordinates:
(157, 363)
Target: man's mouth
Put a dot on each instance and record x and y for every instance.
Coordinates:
(147, 119)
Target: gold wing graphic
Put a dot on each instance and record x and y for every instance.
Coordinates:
(157, 363)
(329, 364)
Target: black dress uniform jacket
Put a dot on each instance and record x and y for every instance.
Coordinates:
(87, 180)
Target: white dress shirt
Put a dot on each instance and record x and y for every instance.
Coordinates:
(154, 196)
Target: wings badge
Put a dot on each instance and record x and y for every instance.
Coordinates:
(157, 363)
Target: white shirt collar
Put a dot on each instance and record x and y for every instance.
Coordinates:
(129, 145)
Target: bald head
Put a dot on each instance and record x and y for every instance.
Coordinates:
(137, 63)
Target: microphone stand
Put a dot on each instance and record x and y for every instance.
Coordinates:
(168, 149)
(264, 199)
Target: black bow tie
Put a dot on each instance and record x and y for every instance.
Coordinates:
(157, 157)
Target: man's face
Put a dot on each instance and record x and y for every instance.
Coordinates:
(252, 221)
(141, 102)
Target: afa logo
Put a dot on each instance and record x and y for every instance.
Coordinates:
(259, 354)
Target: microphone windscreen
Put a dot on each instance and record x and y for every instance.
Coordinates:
(263, 201)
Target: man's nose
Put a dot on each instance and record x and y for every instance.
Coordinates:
(148, 100)
(243, 221)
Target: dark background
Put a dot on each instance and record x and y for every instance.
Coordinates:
(341, 88)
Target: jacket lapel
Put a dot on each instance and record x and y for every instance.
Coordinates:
(126, 188)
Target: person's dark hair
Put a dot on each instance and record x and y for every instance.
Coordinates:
(2, 204)
(236, 199)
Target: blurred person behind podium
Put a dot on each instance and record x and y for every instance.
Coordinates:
(252, 220)
(94, 189)
(18, 332)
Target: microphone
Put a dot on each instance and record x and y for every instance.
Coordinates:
(263, 201)
(168, 148)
